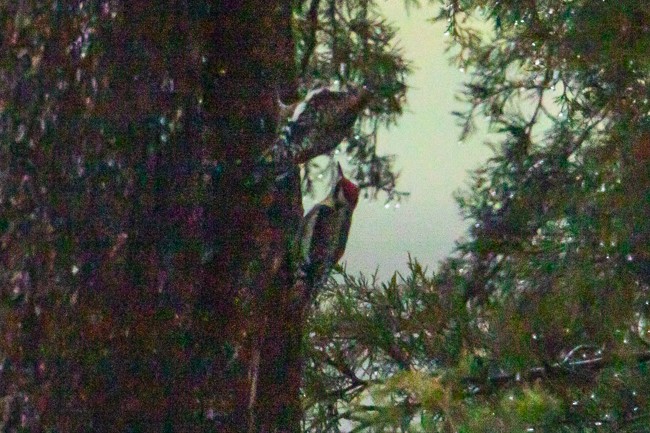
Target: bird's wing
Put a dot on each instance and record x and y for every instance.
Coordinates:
(320, 217)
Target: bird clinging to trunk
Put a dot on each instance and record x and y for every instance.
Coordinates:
(324, 231)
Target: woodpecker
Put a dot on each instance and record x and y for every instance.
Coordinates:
(322, 120)
(324, 231)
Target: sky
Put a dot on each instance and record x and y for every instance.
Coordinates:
(432, 162)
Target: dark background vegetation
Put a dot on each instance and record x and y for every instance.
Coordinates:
(147, 267)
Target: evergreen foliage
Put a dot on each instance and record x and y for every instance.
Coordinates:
(145, 246)
(133, 292)
(348, 43)
(538, 322)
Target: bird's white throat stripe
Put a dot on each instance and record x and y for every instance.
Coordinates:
(301, 107)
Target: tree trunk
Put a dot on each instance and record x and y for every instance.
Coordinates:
(134, 297)
(249, 282)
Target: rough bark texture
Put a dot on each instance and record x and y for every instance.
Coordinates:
(255, 219)
(145, 246)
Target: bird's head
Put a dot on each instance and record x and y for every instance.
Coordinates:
(345, 190)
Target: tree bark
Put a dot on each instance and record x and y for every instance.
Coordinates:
(255, 216)
(146, 246)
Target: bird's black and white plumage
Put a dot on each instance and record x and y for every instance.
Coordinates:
(317, 124)
(324, 231)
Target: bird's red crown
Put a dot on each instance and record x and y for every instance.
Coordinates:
(350, 190)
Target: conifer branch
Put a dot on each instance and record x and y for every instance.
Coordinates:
(485, 385)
